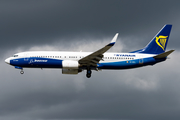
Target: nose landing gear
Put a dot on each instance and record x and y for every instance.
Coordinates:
(22, 72)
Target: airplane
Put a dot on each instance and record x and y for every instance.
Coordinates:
(76, 62)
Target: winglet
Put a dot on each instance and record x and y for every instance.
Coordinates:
(113, 41)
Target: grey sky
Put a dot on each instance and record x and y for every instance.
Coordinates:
(144, 93)
(26, 23)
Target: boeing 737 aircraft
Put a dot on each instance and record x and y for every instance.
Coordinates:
(75, 62)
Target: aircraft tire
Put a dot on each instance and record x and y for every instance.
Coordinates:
(89, 72)
(22, 72)
(88, 75)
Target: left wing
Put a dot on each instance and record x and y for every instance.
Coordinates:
(94, 58)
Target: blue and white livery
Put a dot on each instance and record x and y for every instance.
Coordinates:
(75, 62)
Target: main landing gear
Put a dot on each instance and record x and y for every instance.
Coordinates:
(88, 75)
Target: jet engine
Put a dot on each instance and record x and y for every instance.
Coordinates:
(70, 71)
(69, 64)
(70, 67)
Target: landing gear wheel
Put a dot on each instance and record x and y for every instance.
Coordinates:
(88, 75)
(22, 72)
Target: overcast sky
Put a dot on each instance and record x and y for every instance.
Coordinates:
(72, 25)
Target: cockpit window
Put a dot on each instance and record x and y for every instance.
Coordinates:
(15, 55)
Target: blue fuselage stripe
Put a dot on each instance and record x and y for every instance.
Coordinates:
(34, 62)
(37, 62)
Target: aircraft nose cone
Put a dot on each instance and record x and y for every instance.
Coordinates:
(7, 61)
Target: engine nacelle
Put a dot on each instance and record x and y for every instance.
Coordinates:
(70, 71)
(69, 64)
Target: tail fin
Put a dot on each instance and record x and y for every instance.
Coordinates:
(158, 44)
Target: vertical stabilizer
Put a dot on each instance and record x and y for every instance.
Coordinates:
(158, 44)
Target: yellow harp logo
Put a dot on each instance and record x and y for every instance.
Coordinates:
(161, 41)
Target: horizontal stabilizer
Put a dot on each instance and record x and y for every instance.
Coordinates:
(163, 55)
